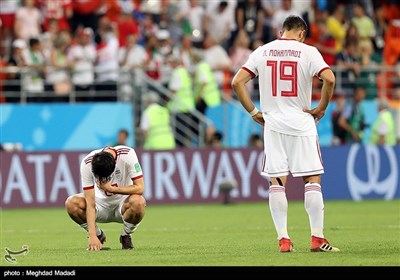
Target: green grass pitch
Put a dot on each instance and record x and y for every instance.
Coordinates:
(237, 234)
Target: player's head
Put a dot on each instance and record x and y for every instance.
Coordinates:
(296, 25)
(103, 165)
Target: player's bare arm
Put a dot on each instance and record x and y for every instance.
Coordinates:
(94, 243)
(239, 86)
(136, 188)
(328, 84)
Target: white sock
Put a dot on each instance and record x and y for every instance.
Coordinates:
(278, 206)
(85, 227)
(314, 204)
(128, 228)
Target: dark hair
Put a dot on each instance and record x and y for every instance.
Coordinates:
(103, 165)
(217, 136)
(124, 131)
(294, 22)
(33, 42)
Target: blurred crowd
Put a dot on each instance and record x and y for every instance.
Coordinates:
(90, 46)
(84, 45)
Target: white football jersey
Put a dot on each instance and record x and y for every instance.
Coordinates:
(285, 69)
(127, 169)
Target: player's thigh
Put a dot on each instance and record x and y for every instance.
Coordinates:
(276, 164)
(305, 155)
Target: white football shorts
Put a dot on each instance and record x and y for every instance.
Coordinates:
(284, 154)
(107, 212)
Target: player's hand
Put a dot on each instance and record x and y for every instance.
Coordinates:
(94, 244)
(316, 113)
(259, 118)
(107, 187)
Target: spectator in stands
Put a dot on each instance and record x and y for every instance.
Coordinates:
(217, 57)
(132, 58)
(168, 20)
(218, 24)
(352, 118)
(286, 9)
(106, 64)
(60, 10)
(364, 24)
(383, 131)
(47, 38)
(132, 55)
(391, 58)
(381, 26)
(8, 9)
(165, 47)
(188, 52)
(58, 75)
(391, 50)
(126, 24)
(194, 14)
(82, 56)
(326, 43)
(250, 18)
(270, 7)
(27, 21)
(34, 82)
(147, 26)
(153, 58)
(16, 63)
(349, 65)
(86, 13)
(229, 13)
(336, 26)
(370, 62)
(352, 34)
(112, 9)
(155, 124)
(240, 50)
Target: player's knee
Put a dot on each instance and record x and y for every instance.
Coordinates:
(137, 202)
(72, 204)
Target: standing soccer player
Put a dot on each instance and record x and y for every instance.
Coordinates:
(285, 69)
(113, 185)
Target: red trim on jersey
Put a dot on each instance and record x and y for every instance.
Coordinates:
(249, 71)
(286, 39)
(112, 149)
(123, 151)
(88, 188)
(89, 160)
(138, 177)
(322, 70)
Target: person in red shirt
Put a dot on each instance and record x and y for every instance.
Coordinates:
(59, 10)
(86, 14)
(126, 23)
(326, 43)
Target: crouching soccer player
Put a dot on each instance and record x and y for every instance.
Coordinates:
(113, 185)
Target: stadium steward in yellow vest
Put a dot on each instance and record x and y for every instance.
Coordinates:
(206, 88)
(155, 124)
(383, 131)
